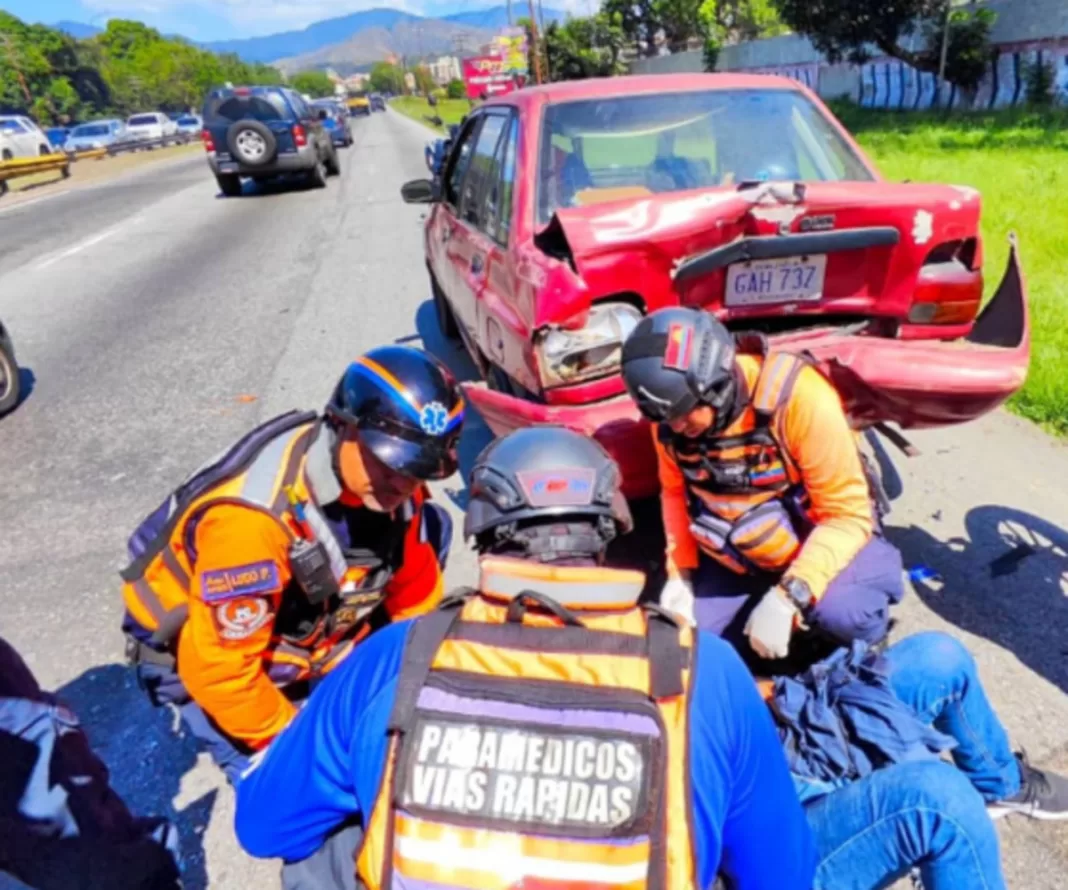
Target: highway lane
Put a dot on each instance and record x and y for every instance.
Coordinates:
(196, 317)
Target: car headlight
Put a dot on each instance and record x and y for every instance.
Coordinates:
(568, 357)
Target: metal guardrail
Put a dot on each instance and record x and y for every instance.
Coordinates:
(17, 167)
(151, 144)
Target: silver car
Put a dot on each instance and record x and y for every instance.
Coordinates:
(95, 134)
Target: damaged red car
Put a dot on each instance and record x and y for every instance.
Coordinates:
(561, 214)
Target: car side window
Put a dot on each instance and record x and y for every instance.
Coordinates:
(498, 216)
(483, 172)
(459, 160)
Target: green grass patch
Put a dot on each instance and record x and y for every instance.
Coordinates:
(1018, 160)
(451, 111)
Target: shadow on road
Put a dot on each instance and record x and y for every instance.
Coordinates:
(1007, 580)
(27, 381)
(476, 434)
(146, 757)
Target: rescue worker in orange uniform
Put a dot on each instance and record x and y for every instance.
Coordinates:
(768, 507)
(261, 571)
(545, 731)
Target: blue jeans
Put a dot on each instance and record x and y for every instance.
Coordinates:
(929, 815)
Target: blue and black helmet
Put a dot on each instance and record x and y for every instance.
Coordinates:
(407, 407)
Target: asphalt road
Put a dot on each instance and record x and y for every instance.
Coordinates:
(157, 321)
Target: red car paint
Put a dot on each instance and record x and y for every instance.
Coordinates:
(892, 359)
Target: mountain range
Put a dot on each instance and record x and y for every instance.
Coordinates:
(350, 42)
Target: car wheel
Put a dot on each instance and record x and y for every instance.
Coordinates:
(446, 319)
(9, 378)
(252, 143)
(333, 162)
(230, 184)
(43, 150)
(317, 175)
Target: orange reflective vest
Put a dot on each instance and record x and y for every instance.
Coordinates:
(748, 507)
(535, 744)
(254, 473)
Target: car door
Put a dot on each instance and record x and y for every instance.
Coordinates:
(446, 223)
(470, 247)
(23, 141)
(35, 138)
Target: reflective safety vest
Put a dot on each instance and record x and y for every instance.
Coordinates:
(536, 745)
(748, 509)
(254, 473)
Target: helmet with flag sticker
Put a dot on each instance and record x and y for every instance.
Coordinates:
(679, 359)
(407, 408)
(547, 492)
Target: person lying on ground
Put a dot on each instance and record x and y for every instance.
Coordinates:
(62, 825)
(544, 730)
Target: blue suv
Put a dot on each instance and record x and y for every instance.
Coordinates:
(265, 131)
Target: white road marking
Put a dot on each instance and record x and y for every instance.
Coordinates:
(81, 245)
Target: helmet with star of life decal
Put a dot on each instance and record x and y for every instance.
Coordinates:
(407, 408)
(547, 488)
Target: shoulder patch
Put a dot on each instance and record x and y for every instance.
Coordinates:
(253, 579)
(239, 619)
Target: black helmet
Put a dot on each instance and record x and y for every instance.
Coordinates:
(677, 359)
(547, 491)
(407, 407)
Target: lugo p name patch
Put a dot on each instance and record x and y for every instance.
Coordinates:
(585, 782)
(253, 579)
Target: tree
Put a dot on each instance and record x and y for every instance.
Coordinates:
(456, 89)
(584, 47)
(312, 83)
(847, 29)
(639, 20)
(386, 78)
(424, 80)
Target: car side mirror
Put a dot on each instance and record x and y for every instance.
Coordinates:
(419, 191)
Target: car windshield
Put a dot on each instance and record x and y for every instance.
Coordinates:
(260, 107)
(91, 130)
(606, 149)
(11, 126)
(142, 119)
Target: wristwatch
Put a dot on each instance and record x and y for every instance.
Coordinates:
(798, 593)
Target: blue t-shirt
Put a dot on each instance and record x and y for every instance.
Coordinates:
(328, 763)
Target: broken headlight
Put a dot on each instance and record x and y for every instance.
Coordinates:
(573, 356)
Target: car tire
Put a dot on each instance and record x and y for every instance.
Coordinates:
(10, 385)
(229, 184)
(450, 330)
(43, 150)
(317, 175)
(333, 162)
(251, 143)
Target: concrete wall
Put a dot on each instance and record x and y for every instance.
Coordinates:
(1026, 31)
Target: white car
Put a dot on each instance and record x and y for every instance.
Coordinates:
(150, 126)
(20, 137)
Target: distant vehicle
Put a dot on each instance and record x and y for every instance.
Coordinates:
(9, 373)
(378, 103)
(96, 134)
(20, 137)
(189, 125)
(57, 136)
(265, 131)
(359, 105)
(150, 126)
(336, 121)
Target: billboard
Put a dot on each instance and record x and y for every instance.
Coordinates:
(487, 75)
(511, 46)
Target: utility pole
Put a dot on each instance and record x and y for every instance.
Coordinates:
(509, 13)
(536, 41)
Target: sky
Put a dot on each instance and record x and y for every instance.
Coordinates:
(224, 19)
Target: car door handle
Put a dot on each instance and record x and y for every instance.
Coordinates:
(446, 233)
(477, 264)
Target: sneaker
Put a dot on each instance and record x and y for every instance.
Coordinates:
(1042, 795)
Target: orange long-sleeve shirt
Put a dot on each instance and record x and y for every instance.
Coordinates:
(819, 441)
(223, 643)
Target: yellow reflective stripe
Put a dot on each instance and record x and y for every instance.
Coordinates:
(772, 381)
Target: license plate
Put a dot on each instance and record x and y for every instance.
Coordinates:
(782, 280)
(227, 168)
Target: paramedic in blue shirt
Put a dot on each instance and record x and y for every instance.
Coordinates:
(701, 792)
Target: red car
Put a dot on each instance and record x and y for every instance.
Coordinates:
(562, 213)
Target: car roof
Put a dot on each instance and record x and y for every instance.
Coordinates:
(637, 84)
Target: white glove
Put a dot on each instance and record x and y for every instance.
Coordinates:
(677, 596)
(771, 624)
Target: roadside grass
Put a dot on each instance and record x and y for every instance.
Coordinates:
(451, 111)
(1018, 160)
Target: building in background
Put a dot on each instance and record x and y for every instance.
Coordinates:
(445, 69)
